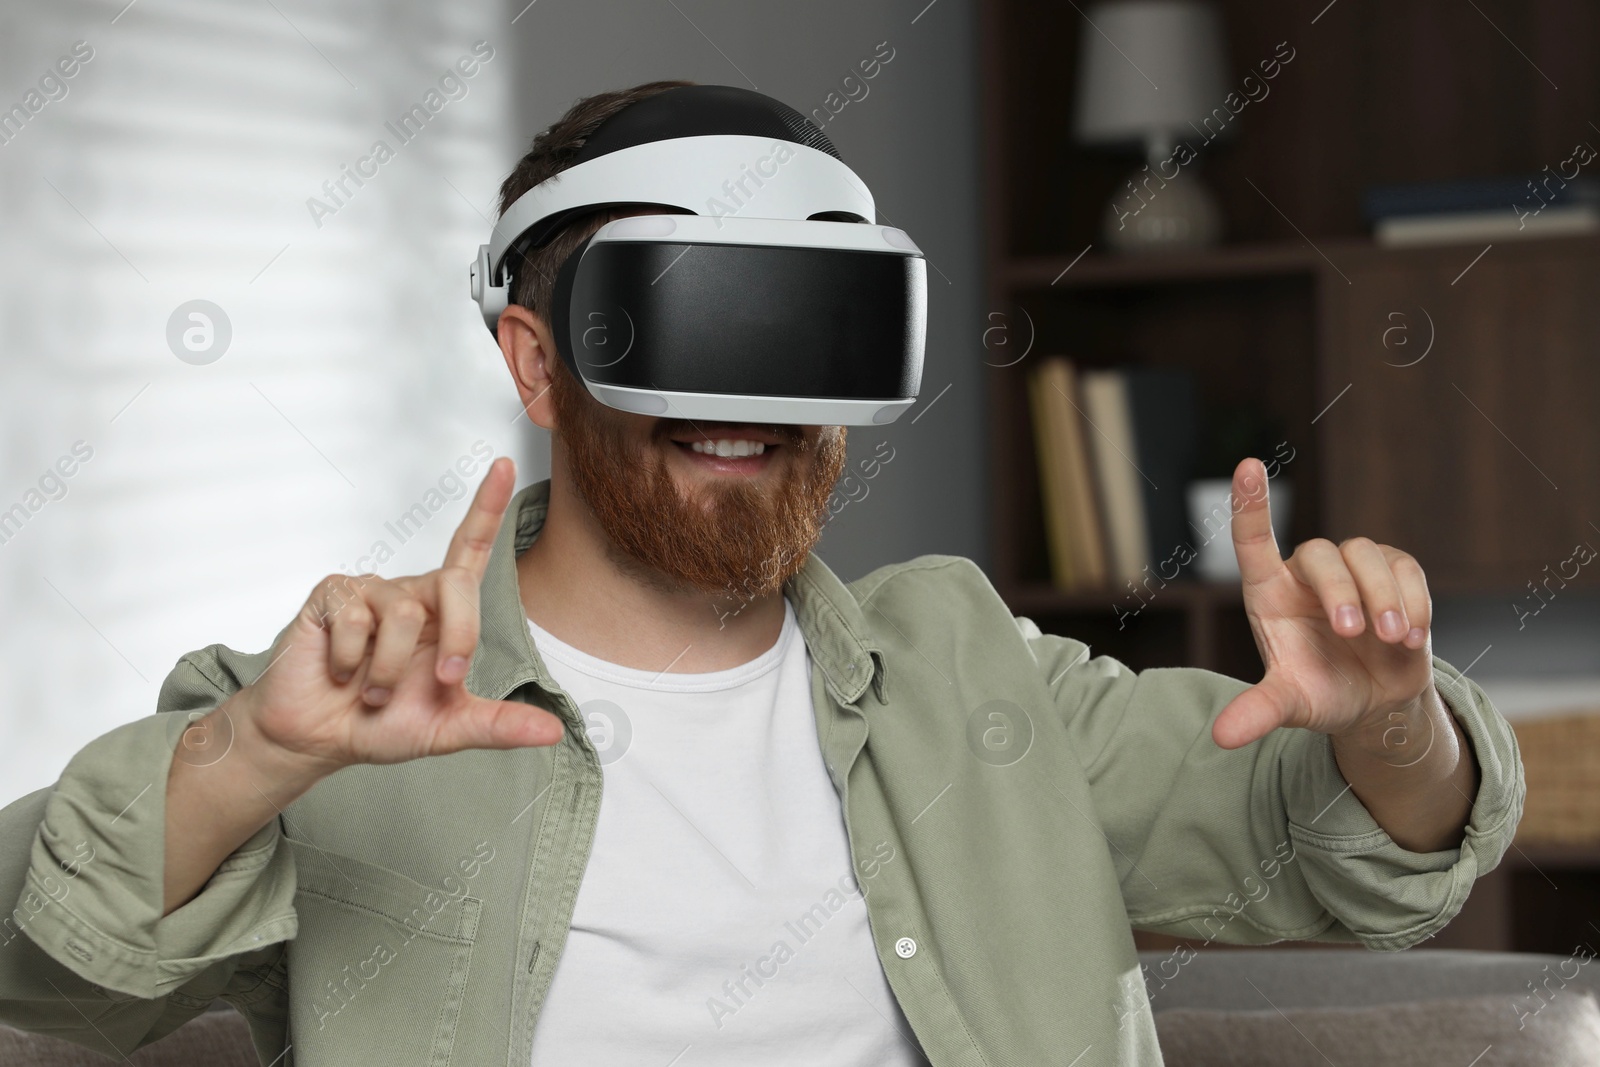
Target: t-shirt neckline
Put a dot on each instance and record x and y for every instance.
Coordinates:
(551, 647)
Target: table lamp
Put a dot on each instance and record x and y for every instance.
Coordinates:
(1152, 73)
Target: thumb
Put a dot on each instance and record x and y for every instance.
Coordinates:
(477, 722)
(1256, 712)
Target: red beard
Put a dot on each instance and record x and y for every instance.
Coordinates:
(735, 539)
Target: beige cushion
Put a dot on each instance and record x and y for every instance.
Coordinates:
(1564, 1033)
(211, 1039)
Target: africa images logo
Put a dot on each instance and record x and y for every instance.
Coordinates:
(452, 86)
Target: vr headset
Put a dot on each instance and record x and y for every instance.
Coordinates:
(771, 297)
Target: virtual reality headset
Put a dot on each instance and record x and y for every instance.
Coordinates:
(756, 302)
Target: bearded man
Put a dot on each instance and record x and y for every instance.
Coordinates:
(635, 778)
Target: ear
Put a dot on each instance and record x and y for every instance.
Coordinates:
(528, 346)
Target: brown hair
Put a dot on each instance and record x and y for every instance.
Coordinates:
(534, 277)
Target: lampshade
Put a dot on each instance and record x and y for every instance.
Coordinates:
(1147, 69)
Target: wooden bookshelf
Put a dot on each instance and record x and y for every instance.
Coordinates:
(1479, 459)
(1103, 271)
(1188, 622)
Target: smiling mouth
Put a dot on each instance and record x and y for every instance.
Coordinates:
(728, 448)
(725, 447)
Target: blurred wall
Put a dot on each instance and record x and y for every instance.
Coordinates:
(228, 367)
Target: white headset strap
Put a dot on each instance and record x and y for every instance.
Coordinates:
(766, 233)
(715, 175)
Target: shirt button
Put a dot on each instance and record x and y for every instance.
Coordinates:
(905, 948)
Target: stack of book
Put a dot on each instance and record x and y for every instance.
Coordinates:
(1484, 209)
(1115, 449)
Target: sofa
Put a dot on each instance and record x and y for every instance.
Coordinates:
(1319, 1006)
(1259, 989)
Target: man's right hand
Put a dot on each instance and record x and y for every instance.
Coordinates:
(372, 669)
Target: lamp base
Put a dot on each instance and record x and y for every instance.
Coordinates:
(1150, 215)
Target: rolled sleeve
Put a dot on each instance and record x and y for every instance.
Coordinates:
(95, 885)
(1384, 895)
(1265, 842)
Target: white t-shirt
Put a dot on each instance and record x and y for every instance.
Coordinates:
(718, 922)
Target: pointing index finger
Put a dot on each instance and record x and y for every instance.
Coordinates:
(464, 565)
(474, 538)
(1253, 542)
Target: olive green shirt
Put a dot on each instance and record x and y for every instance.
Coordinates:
(1014, 807)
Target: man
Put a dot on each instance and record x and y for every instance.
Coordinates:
(634, 778)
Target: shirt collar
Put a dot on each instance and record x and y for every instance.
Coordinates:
(828, 614)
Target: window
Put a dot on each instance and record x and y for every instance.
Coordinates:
(175, 474)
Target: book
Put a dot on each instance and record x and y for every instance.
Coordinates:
(1070, 494)
(1166, 431)
(1088, 532)
(1115, 458)
(1505, 193)
(1495, 225)
(1052, 480)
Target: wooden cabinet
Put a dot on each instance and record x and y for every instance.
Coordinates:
(1443, 400)
(1471, 439)
(1439, 399)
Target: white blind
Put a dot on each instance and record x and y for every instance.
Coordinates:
(176, 164)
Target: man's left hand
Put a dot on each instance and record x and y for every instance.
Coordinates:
(1343, 630)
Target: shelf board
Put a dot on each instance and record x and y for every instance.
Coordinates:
(1537, 854)
(1177, 595)
(1263, 259)
(1103, 270)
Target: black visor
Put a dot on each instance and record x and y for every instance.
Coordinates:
(743, 321)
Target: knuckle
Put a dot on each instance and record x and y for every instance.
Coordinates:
(385, 671)
(409, 611)
(460, 641)
(458, 578)
(382, 679)
(313, 611)
(357, 616)
(325, 594)
(476, 542)
(1333, 581)
(338, 584)
(337, 594)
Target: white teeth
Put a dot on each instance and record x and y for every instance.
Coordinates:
(740, 447)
